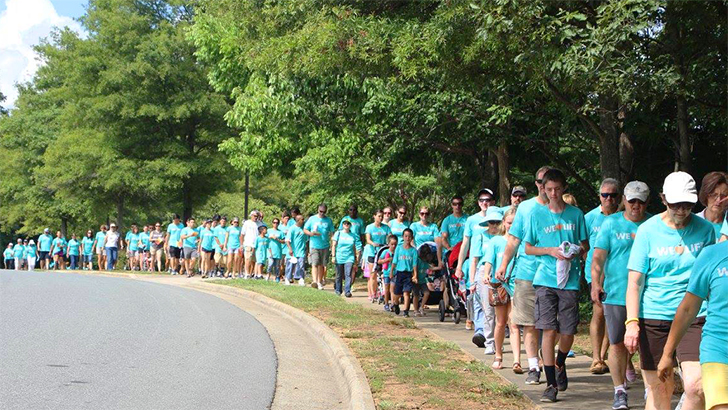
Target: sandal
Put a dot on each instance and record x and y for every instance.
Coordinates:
(497, 363)
(596, 368)
(517, 369)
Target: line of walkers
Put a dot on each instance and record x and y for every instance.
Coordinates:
(658, 283)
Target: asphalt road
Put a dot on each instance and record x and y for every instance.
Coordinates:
(85, 342)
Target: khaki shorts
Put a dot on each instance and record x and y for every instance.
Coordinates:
(156, 254)
(524, 303)
(715, 383)
(249, 253)
(220, 258)
(320, 257)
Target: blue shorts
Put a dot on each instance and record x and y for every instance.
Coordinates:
(402, 282)
(87, 258)
(387, 280)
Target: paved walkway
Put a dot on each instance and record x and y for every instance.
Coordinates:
(586, 391)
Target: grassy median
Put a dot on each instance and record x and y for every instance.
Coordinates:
(407, 367)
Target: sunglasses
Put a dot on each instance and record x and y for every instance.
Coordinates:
(681, 205)
(424, 213)
(387, 213)
(612, 195)
(635, 200)
(457, 204)
(539, 181)
(518, 195)
(402, 212)
(157, 226)
(485, 199)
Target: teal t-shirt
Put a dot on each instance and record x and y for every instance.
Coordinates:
(324, 226)
(357, 225)
(233, 242)
(144, 239)
(297, 239)
(526, 265)
(100, 238)
(455, 228)
(387, 267)
(397, 229)
(378, 235)
(174, 233)
(665, 257)
(483, 239)
(473, 230)
(8, 253)
(467, 277)
(44, 242)
(73, 247)
(31, 251)
(189, 242)
(275, 246)
(709, 281)
(133, 239)
(208, 239)
(494, 255)
(594, 220)
(261, 249)
(424, 233)
(405, 259)
(59, 245)
(345, 245)
(220, 232)
(88, 244)
(616, 236)
(548, 229)
(18, 251)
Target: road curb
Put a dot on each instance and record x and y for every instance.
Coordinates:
(356, 383)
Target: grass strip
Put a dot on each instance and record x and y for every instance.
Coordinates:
(407, 368)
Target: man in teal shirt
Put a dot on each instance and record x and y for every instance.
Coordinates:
(319, 228)
(172, 242)
(453, 226)
(609, 197)
(44, 248)
(550, 232)
(296, 250)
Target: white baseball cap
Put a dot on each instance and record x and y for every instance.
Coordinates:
(680, 187)
(636, 190)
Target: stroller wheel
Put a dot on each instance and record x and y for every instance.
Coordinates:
(441, 308)
(456, 316)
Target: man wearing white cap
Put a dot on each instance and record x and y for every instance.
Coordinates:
(44, 245)
(609, 281)
(609, 198)
(660, 266)
(250, 234)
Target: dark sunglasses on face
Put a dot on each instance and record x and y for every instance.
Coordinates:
(485, 199)
(387, 213)
(612, 195)
(402, 212)
(539, 181)
(518, 195)
(424, 213)
(681, 205)
(457, 204)
(635, 200)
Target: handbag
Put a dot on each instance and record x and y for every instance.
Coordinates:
(498, 296)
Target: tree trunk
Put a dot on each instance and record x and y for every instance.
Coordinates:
(186, 200)
(685, 146)
(504, 174)
(120, 213)
(609, 160)
(64, 226)
(247, 191)
(626, 149)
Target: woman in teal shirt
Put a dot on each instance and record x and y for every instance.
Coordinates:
(376, 236)
(660, 265)
(424, 231)
(343, 245)
(72, 251)
(87, 245)
(400, 224)
(58, 250)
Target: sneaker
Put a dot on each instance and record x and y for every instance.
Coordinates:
(417, 313)
(288, 282)
(337, 293)
(422, 312)
(620, 401)
(479, 340)
(301, 282)
(534, 377)
(348, 294)
(489, 349)
(247, 276)
(395, 309)
(562, 382)
(549, 395)
(406, 313)
(321, 286)
(468, 325)
(386, 308)
(630, 375)
(314, 285)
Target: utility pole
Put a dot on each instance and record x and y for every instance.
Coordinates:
(247, 192)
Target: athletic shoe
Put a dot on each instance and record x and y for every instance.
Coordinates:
(288, 282)
(562, 382)
(417, 313)
(301, 282)
(534, 377)
(386, 308)
(479, 340)
(549, 395)
(247, 276)
(337, 293)
(422, 312)
(406, 313)
(348, 294)
(630, 375)
(321, 286)
(314, 285)
(489, 349)
(620, 401)
(395, 309)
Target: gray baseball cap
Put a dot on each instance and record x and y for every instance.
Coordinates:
(637, 190)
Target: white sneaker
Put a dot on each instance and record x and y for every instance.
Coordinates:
(489, 349)
(321, 286)
(247, 276)
(301, 282)
(288, 282)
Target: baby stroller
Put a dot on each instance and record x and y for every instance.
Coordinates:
(379, 254)
(456, 301)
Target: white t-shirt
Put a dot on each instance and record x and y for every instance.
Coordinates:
(250, 230)
(112, 239)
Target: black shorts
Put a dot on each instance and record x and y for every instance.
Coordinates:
(44, 255)
(653, 337)
(370, 259)
(402, 282)
(175, 252)
(557, 309)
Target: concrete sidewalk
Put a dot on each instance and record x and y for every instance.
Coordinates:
(586, 391)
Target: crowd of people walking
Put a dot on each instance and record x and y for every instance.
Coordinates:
(658, 283)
